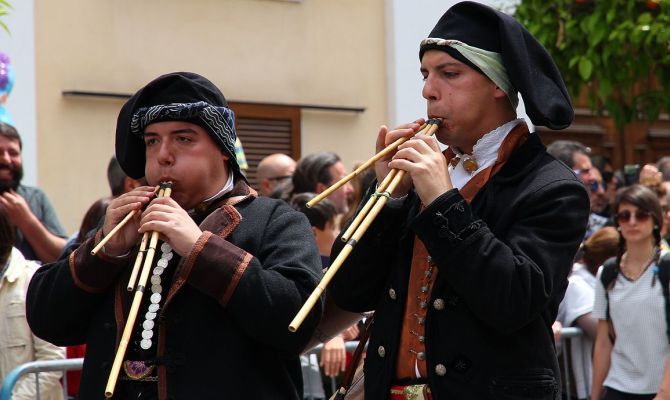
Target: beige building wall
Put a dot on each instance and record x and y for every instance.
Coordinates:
(326, 52)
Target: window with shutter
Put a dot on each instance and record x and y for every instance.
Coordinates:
(265, 129)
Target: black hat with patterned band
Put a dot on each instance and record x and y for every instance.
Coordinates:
(178, 96)
(468, 29)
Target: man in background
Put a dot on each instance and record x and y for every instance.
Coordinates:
(18, 345)
(119, 182)
(273, 171)
(316, 172)
(39, 234)
(577, 156)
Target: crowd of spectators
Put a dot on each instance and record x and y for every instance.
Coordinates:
(621, 310)
(624, 203)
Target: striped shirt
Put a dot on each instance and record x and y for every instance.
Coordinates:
(637, 310)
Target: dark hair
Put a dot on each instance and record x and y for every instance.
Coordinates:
(319, 214)
(564, 150)
(313, 169)
(10, 132)
(600, 161)
(663, 165)
(115, 177)
(93, 217)
(600, 246)
(645, 199)
(360, 183)
(6, 237)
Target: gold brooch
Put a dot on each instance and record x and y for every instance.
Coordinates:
(469, 163)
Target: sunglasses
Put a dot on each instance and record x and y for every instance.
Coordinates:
(625, 216)
(279, 178)
(594, 185)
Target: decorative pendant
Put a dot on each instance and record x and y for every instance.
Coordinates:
(470, 164)
(156, 297)
(137, 370)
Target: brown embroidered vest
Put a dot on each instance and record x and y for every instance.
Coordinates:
(412, 349)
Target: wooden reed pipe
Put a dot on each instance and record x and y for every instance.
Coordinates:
(388, 149)
(117, 228)
(431, 127)
(368, 205)
(341, 257)
(346, 250)
(166, 189)
(138, 262)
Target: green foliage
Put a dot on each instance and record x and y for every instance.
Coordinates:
(4, 10)
(619, 50)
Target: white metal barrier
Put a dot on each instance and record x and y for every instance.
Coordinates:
(571, 333)
(36, 367)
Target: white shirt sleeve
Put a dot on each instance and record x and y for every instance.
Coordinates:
(578, 300)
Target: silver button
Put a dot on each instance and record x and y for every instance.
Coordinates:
(441, 370)
(429, 259)
(422, 339)
(429, 273)
(423, 304)
(421, 320)
(145, 344)
(438, 304)
(424, 289)
(392, 294)
(381, 351)
(421, 356)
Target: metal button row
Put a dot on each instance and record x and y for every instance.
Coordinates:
(440, 369)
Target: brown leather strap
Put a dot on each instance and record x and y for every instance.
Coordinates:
(356, 359)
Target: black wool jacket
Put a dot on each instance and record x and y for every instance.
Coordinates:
(503, 262)
(223, 330)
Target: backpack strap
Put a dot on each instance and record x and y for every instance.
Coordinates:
(609, 274)
(664, 278)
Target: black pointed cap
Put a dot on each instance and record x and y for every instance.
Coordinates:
(529, 66)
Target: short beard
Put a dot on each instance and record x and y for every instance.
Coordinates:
(13, 184)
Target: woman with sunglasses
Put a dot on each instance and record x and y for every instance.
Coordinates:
(631, 349)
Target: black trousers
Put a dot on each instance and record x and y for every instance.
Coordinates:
(613, 394)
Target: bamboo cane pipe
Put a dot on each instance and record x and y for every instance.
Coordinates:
(138, 262)
(346, 250)
(135, 306)
(381, 188)
(117, 228)
(388, 149)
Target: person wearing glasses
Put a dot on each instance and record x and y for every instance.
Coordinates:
(630, 358)
(578, 157)
(273, 171)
